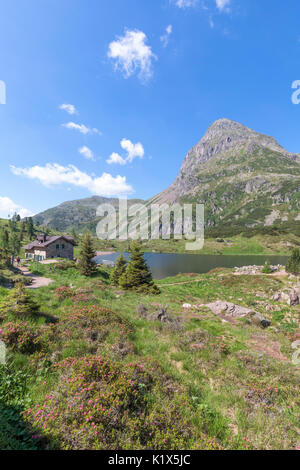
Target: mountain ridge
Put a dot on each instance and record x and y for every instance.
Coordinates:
(243, 178)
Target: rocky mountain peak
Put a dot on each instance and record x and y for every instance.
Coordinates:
(225, 136)
(234, 163)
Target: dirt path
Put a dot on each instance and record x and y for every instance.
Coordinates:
(37, 281)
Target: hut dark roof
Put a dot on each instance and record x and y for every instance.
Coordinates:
(43, 241)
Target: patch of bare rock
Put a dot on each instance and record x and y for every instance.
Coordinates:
(231, 312)
(255, 270)
(159, 315)
(289, 296)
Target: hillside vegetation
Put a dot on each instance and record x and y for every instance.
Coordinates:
(245, 180)
(96, 367)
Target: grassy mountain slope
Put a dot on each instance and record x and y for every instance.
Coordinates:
(105, 373)
(79, 214)
(244, 178)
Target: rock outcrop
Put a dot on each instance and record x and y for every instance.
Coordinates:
(230, 311)
(240, 175)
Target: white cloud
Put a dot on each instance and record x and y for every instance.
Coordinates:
(165, 37)
(81, 128)
(70, 108)
(53, 174)
(133, 151)
(132, 54)
(86, 152)
(185, 3)
(9, 207)
(222, 4)
(115, 158)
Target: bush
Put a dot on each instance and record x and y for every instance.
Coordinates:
(101, 329)
(267, 268)
(64, 265)
(293, 264)
(118, 271)
(101, 404)
(19, 303)
(21, 337)
(13, 385)
(14, 434)
(64, 292)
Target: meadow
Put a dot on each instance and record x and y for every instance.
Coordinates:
(93, 367)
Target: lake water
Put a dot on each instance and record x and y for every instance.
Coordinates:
(165, 265)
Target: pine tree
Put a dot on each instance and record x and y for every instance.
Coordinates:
(22, 230)
(19, 303)
(293, 264)
(4, 247)
(138, 275)
(30, 227)
(15, 245)
(87, 252)
(119, 270)
(74, 235)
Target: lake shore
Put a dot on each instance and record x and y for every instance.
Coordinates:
(264, 245)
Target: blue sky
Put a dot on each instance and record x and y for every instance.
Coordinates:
(107, 96)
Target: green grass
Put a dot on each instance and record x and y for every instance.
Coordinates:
(259, 244)
(221, 385)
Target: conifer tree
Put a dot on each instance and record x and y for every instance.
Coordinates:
(119, 270)
(74, 235)
(15, 245)
(87, 252)
(30, 227)
(22, 229)
(138, 275)
(19, 303)
(293, 264)
(4, 247)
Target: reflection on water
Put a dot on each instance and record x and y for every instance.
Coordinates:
(165, 265)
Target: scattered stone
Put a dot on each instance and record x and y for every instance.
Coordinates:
(254, 270)
(276, 297)
(291, 297)
(232, 311)
(141, 310)
(294, 298)
(186, 306)
(162, 314)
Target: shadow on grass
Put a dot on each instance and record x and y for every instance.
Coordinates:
(16, 434)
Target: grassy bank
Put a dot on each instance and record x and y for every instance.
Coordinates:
(237, 245)
(93, 369)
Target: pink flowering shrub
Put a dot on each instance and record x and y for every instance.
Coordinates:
(64, 292)
(21, 337)
(102, 404)
(101, 328)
